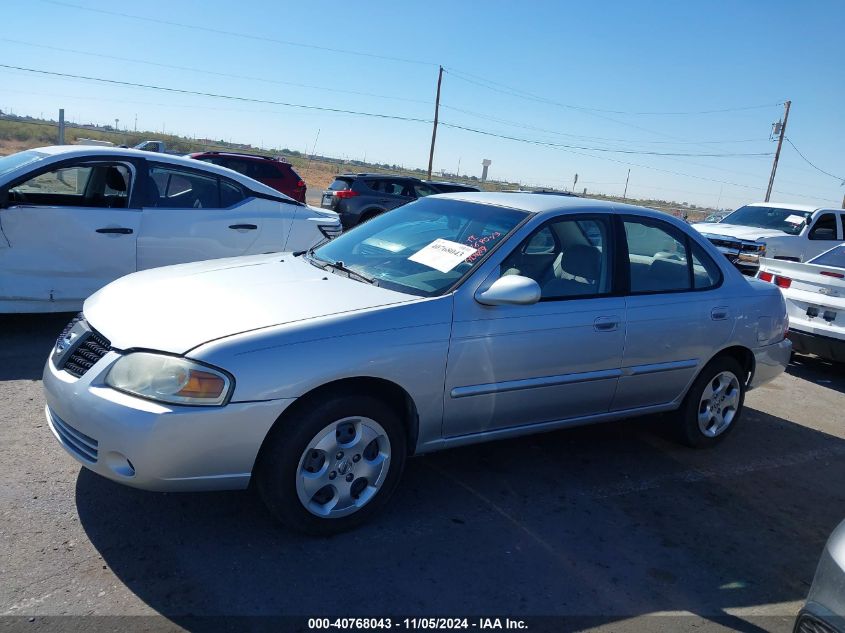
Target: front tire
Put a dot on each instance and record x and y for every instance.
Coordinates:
(332, 464)
(713, 405)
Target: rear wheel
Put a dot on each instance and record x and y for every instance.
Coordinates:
(333, 465)
(713, 406)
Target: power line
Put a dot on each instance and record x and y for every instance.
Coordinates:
(248, 36)
(807, 160)
(358, 93)
(594, 138)
(118, 82)
(682, 174)
(607, 158)
(212, 72)
(600, 149)
(589, 111)
(372, 114)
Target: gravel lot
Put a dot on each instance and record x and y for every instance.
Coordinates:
(614, 522)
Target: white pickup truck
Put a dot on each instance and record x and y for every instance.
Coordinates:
(791, 232)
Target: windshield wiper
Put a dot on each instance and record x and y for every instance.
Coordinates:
(339, 265)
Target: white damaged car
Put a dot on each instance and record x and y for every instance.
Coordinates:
(74, 218)
(789, 232)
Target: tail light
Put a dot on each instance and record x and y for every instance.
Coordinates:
(830, 273)
(342, 195)
(765, 276)
(300, 184)
(783, 282)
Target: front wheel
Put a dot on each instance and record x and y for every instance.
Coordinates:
(713, 406)
(329, 468)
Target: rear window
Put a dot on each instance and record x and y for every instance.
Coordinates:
(340, 184)
(834, 257)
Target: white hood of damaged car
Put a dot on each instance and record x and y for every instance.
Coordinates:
(750, 233)
(176, 308)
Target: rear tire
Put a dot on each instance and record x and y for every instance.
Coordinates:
(713, 406)
(332, 464)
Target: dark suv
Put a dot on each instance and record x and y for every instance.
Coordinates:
(273, 172)
(359, 197)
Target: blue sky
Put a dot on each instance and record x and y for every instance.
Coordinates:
(625, 57)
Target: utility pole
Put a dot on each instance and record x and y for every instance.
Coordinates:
(625, 195)
(777, 152)
(434, 129)
(61, 126)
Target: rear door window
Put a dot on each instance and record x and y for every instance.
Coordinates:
(658, 258)
(230, 194)
(177, 189)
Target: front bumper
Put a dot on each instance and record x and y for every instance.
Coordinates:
(818, 344)
(151, 445)
(742, 254)
(770, 362)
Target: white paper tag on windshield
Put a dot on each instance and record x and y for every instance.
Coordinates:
(794, 219)
(442, 255)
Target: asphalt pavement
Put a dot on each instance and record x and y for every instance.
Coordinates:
(614, 524)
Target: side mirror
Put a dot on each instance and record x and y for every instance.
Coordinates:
(510, 290)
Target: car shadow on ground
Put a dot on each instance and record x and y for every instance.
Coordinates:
(818, 370)
(20, 335)
(609, 521)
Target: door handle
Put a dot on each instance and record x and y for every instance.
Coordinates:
(115, 230)
(605, 324)
(243, 227)
(719, 314)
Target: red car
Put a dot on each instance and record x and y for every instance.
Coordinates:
(273, 172)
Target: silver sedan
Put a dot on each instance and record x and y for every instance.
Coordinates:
(456, 319)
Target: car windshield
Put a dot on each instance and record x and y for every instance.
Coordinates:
(787, 220)
(9, 163)
(421, 248)
(835, 257)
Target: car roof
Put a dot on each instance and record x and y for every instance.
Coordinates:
(787, 205)
(257, 157)
(374, 175)
(69, 151)
(553, 204)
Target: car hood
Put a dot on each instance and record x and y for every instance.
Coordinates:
(751, 233)
(176, 308)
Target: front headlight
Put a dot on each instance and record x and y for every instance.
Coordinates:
(752, 252)
(169, 379)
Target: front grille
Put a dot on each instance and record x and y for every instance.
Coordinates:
(92, 349)
(87, 349)
(75, 441)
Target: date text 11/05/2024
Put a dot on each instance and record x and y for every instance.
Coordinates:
(416, 623)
